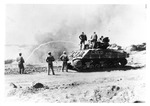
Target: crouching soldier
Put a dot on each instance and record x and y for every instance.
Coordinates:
(50, 60)
(20, 61)
(64, 58)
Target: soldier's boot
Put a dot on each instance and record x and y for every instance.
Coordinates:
(62, 69)
(23, 71)
(48, 72)
(20, 71)
(66, 69)
(53, 73)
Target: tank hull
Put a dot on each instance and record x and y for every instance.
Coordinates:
(95, 59)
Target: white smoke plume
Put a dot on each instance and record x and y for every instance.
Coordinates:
(42, 23)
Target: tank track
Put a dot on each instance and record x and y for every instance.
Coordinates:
(97, 64)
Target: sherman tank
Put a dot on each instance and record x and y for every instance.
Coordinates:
(97, 58)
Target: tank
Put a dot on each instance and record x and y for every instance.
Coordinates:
(95, 59)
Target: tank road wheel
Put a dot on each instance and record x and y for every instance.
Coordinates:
(116, 63)
(123, 62)
(84, 67)
(91, 66)
(103, 64)
(110, 64)
(77, 65)
(97, 66)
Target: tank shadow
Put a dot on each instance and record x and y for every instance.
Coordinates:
(125, 68)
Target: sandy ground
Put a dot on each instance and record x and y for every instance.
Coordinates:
(125, 85)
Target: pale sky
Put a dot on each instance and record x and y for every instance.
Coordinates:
(27, 23)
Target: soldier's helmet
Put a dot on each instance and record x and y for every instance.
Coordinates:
(49, 53)
(20, 54)
(64, 52)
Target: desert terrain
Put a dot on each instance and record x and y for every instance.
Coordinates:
(35, 29)
(109, 85)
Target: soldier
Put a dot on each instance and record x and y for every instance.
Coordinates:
(20, 61)
(50, 60)
(106, 42)
(100, 42)
(94, 40)
(64, 58)
(101, 39)
(83, 38)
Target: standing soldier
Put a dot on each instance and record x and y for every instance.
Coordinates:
(64, 58)
(83, 38)
(20, 61)
(50, 60)
(94, 40)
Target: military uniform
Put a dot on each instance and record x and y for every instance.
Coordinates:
(50, 60)
(64, 58)
(83, 38)
(100, 42)
(94, 40)
(101, 39)
(20, 61)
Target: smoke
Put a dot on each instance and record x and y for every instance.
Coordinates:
(114, 21)
(66, 22)
(40, 53)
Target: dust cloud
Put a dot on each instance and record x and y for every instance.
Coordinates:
(46, 22)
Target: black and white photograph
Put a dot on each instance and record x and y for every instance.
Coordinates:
(75, 53)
